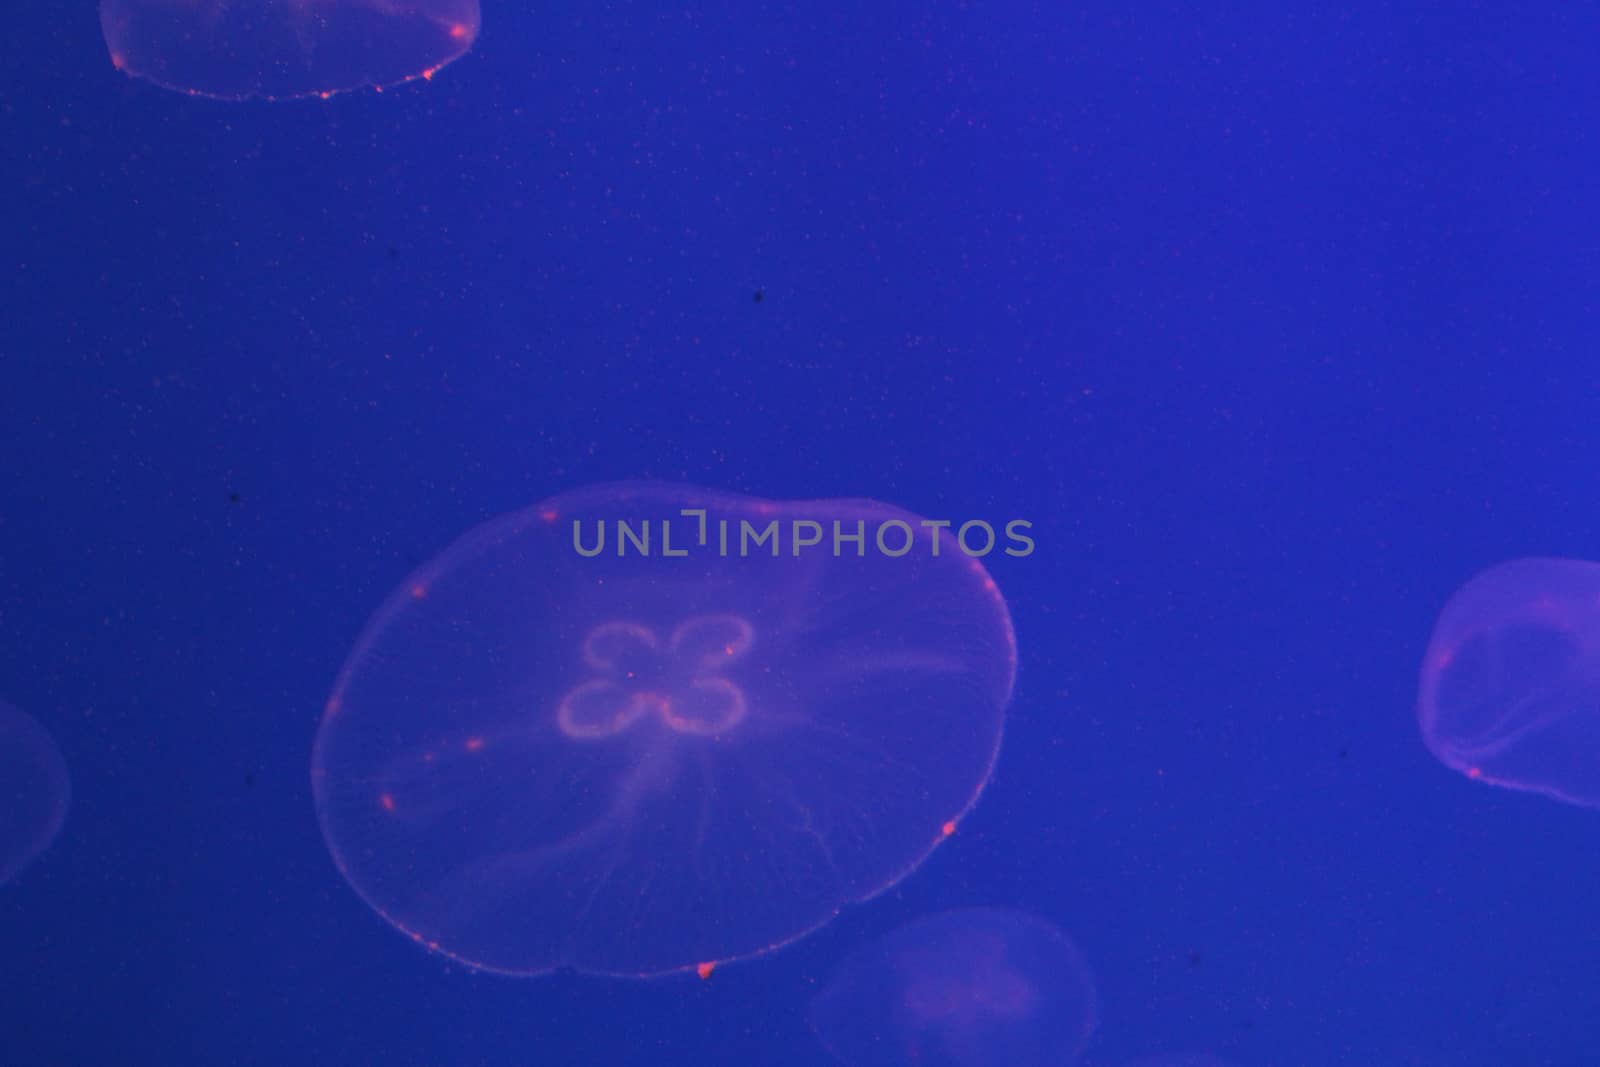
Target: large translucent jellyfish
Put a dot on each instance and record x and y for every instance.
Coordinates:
(642, 728)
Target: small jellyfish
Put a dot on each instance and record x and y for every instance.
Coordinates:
(280, 49)
(967, 988)
(1510, 691)
(34, 791)
(638, 729)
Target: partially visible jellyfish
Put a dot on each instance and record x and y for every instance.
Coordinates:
(1182, 1060)
(693, 743)
(967, 988)
(34, 790)
(279, 49)
(1510, 690)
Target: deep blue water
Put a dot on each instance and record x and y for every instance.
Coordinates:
(1278, 325)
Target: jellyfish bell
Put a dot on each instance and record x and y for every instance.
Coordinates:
(971, 987)
(1511, 679)
(35, 791)
(282, 49)
(668, 752)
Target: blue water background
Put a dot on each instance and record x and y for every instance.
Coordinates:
(1278, 323)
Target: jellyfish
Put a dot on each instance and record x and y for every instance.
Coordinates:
(641, 728)
(1510, 691)
(280, 49)
(977, 987)
(34, 791)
